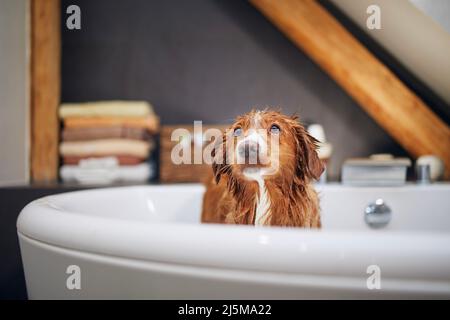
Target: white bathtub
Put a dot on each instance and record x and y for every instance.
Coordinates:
(147, 242)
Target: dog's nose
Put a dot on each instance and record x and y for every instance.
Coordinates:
(249, 150)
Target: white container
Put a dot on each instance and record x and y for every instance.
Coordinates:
(146, 242)
(378, 170)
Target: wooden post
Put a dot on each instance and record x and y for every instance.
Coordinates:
(377, 90)
(45, 88)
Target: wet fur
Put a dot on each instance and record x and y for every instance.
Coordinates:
(231, 198)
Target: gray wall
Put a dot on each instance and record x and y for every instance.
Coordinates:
(14, 93)
(207, 60)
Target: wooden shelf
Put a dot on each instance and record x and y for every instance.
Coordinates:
(45, 88)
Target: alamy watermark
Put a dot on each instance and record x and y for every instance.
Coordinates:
(73, 281)
(373, 21)
(254, 147)
(73, 21)
(373, 282)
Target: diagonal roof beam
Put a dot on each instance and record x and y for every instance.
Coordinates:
(376, 89)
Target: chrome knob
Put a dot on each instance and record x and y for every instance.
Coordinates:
(377, 214)
(423, 173)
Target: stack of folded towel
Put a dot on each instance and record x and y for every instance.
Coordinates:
(106, 142)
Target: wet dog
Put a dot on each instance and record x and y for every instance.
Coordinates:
(263, 171)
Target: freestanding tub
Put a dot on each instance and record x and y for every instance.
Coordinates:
(147, 242)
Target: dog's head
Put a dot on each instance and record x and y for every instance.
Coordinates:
(270, 145)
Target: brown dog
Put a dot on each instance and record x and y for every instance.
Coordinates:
(265, 177)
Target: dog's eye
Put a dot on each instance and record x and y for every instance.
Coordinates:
(275, 129)
(237, 132)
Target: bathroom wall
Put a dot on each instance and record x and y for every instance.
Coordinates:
(14, 93)
(207, 60)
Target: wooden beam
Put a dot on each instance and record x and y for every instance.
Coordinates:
(45, 88)
(377, 90)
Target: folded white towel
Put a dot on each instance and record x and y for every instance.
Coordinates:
(106, 109)
(107, 175)
(99, 163)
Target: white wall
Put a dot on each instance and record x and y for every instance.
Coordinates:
(14, 93)
(438, 10)
(416, 37)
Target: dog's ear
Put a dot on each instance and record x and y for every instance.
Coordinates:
(216, 167)
(218, 155)
(308, 163)
(315, 165)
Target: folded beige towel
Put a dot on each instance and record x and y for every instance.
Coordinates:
(105, 147)
(121, 159)
(151, 123)
(106, 109)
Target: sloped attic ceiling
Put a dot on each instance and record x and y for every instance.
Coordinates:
(414, 33)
